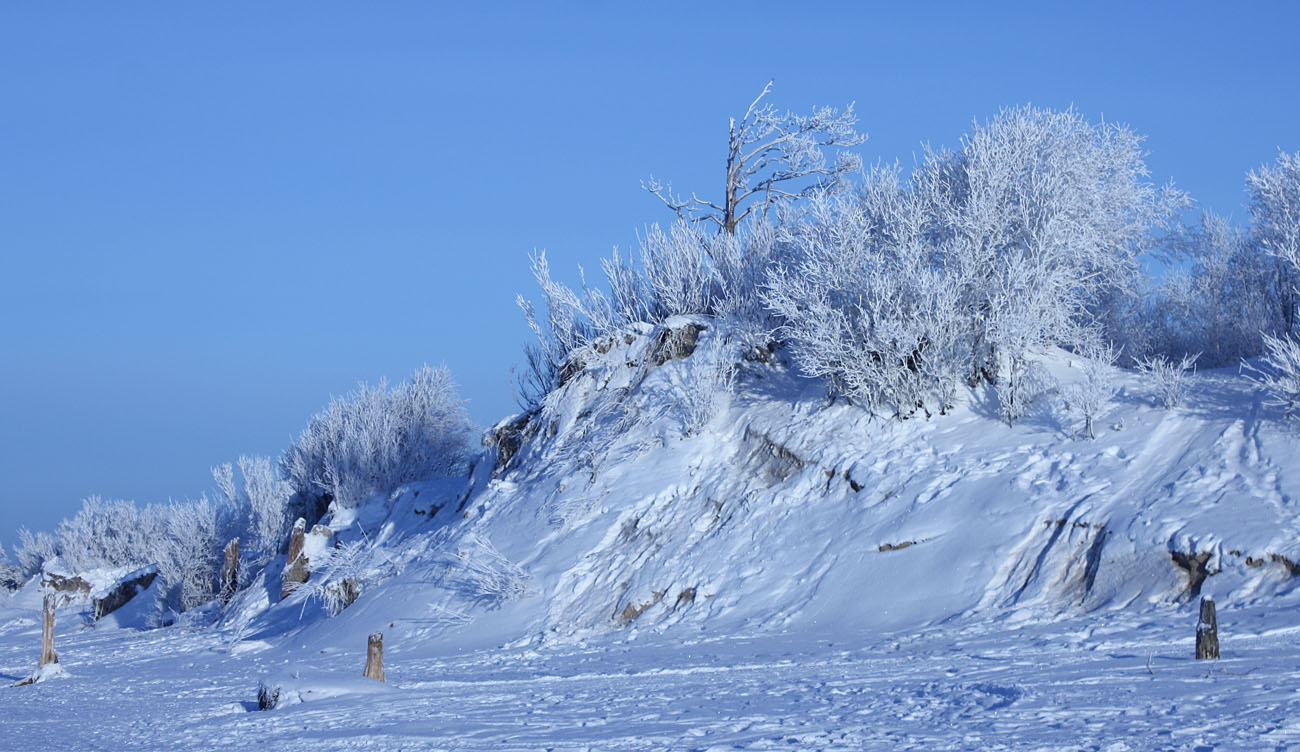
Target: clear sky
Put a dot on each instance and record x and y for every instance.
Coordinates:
(213, 216)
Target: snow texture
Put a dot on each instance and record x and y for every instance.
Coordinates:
(795, 574)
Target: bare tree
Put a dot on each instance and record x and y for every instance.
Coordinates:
(771, 157)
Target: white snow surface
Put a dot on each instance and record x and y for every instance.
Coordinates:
(795, 575)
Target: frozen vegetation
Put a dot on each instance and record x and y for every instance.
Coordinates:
(842, 460)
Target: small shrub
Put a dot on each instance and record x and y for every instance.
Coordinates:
(1090, 395)
(1168, 377)
(378, 438)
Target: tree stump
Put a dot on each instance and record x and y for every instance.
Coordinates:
(375, 657)
(47, 632)
(295, 568)
(1207, 631)
(230, 571)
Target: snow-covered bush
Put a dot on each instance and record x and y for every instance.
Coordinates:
(478, 571)
(107, 533)
(679, 277)
(679, 273)
(1280, 375)
(262, 502)
(866, 304)
(1168, 378)
(710, 379)
(189, 553)
(1090, 395)
(339, 574)
(11, 576)
(33, 550)
(378, 438)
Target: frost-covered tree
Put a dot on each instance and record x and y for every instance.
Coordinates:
(378, 438)
(1219, 299)
(1275, 211)
(772, 157)
(866, 303)
(1089, 395)
(1046, 203)
(1280, 373)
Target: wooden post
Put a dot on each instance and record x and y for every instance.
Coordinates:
(230, 571)
(295, 570)
(375, 657)
(47, 632)
(1207, 631)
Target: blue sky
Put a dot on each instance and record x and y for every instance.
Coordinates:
(215, 216)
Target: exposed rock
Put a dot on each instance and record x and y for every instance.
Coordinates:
(673, 343)
(770, 459)
(1291, 567)
(895, 546)
(507, 437)
(121, 592)
(68, 586)
(1194, 566)
(632, 610)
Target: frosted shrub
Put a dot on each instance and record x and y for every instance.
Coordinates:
(33, 550)
(1090, 395)
(378, 438)
(189, 553)
(1280, 375)
(709, 382)
(338, 576)
(1168, 378)
(262, 501)
(866, 305)
(677, 272)
(107, 533)
(477, 570)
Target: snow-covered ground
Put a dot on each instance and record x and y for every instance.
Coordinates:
(785, 574)
(1115, 681)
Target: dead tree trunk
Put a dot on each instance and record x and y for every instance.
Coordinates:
(1207, 631)
(375, 657)
(230, 571)
(47, 632)
(295, 570)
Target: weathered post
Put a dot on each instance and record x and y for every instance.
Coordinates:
(295, 571)
(1207, 631)
(230, 571)
(375, 657)
(47, 632)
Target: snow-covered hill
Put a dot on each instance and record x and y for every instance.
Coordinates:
(640, 526)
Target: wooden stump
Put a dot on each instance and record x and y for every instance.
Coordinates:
(295, 567)
(375, 657)
(47, 632)
(1207, 631)
(230, 571)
